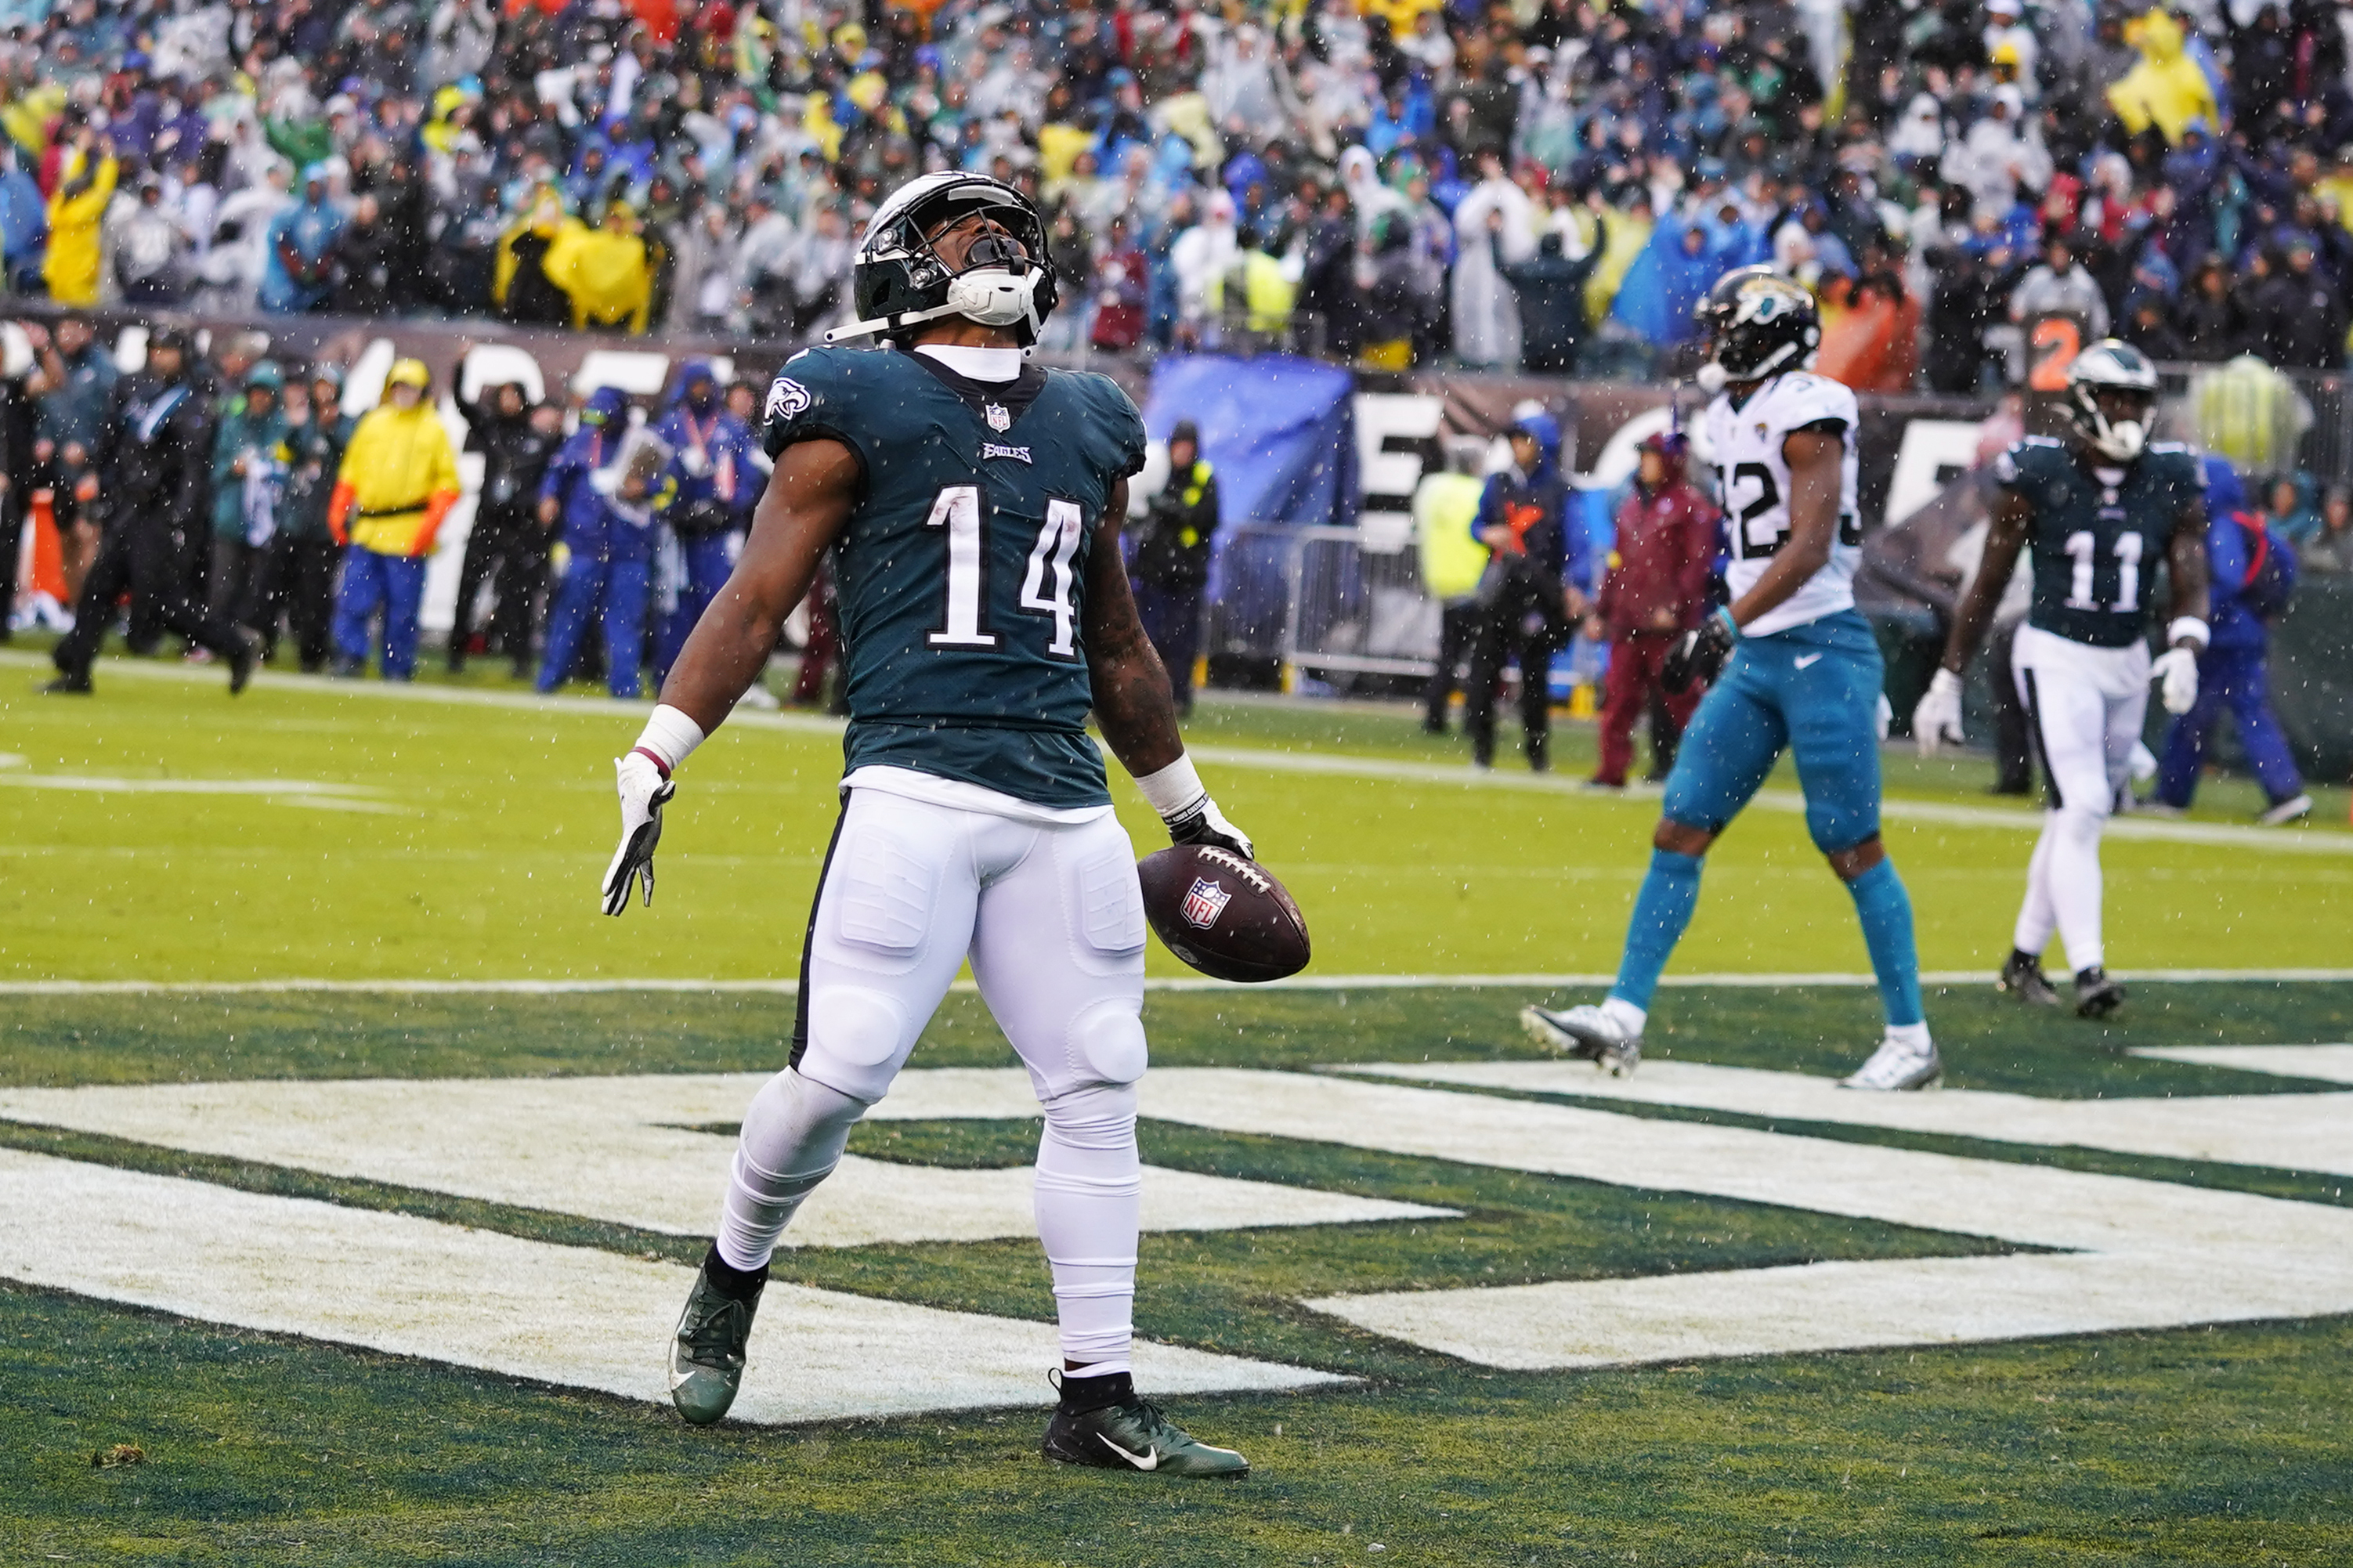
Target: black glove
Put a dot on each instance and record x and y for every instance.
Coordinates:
(1699, 654)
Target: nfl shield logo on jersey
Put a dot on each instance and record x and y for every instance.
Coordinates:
(1205, 903)
(1000, 418)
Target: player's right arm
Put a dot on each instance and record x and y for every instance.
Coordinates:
(1937, 721)
(808, 499)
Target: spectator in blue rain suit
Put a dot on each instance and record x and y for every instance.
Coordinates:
(610, 554)
(1529, 597)
(2252, 570)
(716, 484)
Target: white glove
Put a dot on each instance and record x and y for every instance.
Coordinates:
(1886, 716)
(644, 792)
(1937, 721)
(2178, 668)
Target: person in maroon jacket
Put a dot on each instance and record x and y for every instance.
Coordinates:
(1656, 590)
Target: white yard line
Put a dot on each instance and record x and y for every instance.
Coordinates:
(1174, 983)
(616, 1149)
(1894, 809)
(2293, 1132)
(567, 1315)
(89, 784)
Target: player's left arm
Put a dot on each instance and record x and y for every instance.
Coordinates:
(2187, 634)
(1131, 698)
(1816, 455)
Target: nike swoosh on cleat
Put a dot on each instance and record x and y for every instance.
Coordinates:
(1802, 660)
(1147, 1460)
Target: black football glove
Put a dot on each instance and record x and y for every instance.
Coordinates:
(1699, 656)
(1205, 824)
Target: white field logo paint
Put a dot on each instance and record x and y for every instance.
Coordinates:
(2120, 1252)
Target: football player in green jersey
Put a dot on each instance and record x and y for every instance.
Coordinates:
(969, 504)
(2098, 512)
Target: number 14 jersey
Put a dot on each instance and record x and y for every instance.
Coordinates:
(961, 574)
(1753, 481)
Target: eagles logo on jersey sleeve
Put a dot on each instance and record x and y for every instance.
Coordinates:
(1754, 483)
(816, 397)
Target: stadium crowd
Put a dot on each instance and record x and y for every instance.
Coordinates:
(1545, 183)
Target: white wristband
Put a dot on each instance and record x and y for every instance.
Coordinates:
(669, 734)
(2191, 627)
(1174, 789)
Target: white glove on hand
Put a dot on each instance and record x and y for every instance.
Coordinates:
(2178, 668)
(644, 792)
(1886, 716)
(1205, 824)
(1937, 721)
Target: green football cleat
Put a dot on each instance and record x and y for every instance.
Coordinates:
(706, 1359)
(1134, 1436)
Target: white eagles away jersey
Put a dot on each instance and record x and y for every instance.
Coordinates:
(1753, 484)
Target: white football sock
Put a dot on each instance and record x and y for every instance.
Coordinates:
(793, 1133)
(2036, 918)
(1913, 1037)
(1625, 1014)
(2072, 879)
(1090, 1190)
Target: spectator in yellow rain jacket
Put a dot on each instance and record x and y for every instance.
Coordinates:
(85, 184)
(605, 273)
(399, 480)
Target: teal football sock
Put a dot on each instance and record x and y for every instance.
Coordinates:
(1885, 911)
(1661, 910)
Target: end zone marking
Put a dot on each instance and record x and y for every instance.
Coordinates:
(2330, 1064)
(2294, 1131)
(566, 1315)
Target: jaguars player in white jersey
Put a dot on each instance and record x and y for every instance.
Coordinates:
(2097, 512)
(1795, 667)
(970, 505)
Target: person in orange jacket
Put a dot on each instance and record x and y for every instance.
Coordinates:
(399, 480)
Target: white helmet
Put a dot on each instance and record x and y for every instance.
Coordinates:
(2101, 372)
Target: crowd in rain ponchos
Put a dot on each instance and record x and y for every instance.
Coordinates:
(646, 165)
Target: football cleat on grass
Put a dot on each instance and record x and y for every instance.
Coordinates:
(1585, 1034)
(1133, 1434)
(68, 686)
(706, 1358)
(2096, 996)
(1895, 1066)
(242, 659)
(2285, 811)
(2022, 977)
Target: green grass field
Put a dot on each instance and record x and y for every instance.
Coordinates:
(472, 855)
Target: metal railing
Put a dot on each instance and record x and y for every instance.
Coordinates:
(1342, 609)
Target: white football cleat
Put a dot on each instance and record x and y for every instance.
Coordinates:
(2285, 811)
(1588, 1034)
(1896, 1065)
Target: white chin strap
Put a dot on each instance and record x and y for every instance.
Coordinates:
(990, 296)
(2121, 440)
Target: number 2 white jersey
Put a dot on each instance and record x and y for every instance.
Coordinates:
(1753, 481)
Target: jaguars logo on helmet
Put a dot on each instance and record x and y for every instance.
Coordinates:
(898, 280)
(1758, 322)
(2111, 392)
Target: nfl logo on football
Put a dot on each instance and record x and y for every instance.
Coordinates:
(1206, 902)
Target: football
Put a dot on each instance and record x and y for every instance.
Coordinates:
(1226, 916)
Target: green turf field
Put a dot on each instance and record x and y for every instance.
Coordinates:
(464, 839)
(472, 855)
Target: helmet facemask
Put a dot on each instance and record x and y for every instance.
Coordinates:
(2113, 419)
(1003, 279)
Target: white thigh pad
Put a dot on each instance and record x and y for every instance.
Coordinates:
(1103, 900)
(883, 893)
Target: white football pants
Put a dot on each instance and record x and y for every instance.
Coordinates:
(2084, 706)
(1052, 918)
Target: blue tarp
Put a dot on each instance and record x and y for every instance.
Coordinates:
(1281, 433)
